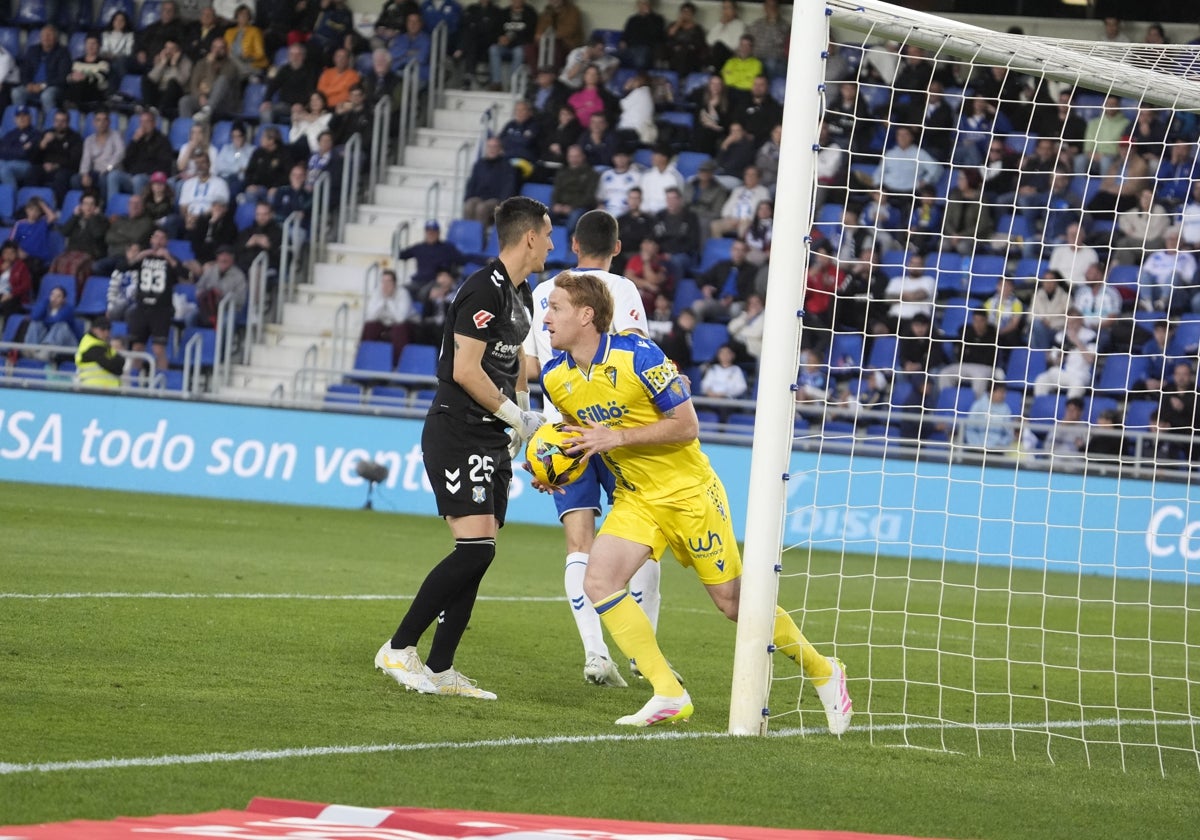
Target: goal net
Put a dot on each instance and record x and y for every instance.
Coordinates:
(984, 393)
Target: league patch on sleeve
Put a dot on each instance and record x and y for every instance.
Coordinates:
(482, 318)
(661, 376)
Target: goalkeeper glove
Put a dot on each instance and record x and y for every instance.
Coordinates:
(522, 422)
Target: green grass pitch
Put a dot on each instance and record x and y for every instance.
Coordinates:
(97, 678)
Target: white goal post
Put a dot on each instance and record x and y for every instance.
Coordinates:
(980, 599)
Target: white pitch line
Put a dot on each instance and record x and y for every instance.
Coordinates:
(10, 769)
(248, 596)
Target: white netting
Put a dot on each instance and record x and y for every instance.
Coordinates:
(989, 509)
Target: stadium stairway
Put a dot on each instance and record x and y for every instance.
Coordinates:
(305, 334)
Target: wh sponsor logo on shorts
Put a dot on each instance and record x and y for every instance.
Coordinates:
(706, 544)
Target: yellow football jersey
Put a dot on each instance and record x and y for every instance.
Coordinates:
(630, 383)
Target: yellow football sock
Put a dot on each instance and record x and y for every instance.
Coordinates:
(791, 643)
(631, 630)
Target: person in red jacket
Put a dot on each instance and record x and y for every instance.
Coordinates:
(16, 283)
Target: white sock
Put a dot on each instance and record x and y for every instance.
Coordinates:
(591, 632)
(644, 589)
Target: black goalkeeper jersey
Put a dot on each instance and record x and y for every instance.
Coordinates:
(490, 309)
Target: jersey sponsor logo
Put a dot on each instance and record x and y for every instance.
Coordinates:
(706, 544)
(598, 413)
(660, 376)
(505, 351)
(482, 318)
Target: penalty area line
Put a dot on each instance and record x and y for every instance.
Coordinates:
(12, 769)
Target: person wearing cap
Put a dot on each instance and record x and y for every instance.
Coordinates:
(432, 255)
(97, 362)
(148, 151)
(221, 278)
(17, 150)
(547, 95)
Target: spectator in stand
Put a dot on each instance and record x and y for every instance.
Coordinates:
(197, 194)
(575, 189)
(976, 351)
(393, 17)
(637, 125)
(233, 159)
(580, 58)
(199, 35)
(758, 236)
(766, 159)
(518, 24)
(1102, 137)
(812, 381)
(660, 319)
(116, 45)
(975, 129)
(291, 84)
(382, 83)
(1071, 362)
(1072, 257)
(655, 181)
(746, 330)
(615, 184)
(337, 80)
(1048, 310)
(432, 255)
(214, 84)
(308, 124)
(18, 149)
(322, 160)
(164, 84)
(449, 12)
(687, 46)
(264, 236)
(149, 41)
(547, 96)
(51, 323)
(990, 424)
(564, 19)
(413, 44)
(1168, 277)
(1141, 228)
(1177, 405)
(1176, 173)
(706, 197)
(435, 300)
(58, 156)
(199, 140)
(388, 311)
(650, 272)
(712, 115)
(555, 141)
(824, 279)
(1062, 122)
(482, 25)
(521, 137)
(221, 279)
(999, 171)
(905, 166)
(1148, 135)
(16, 283)
(741, 69)
(103, 151)
(268, 168)
(294, 197)
(159, 201)
(598, 142)
(724, 379)
(633, 226)
(1068, 437)
(245, 42)
(1105, 441)
(677, 344)
(910, 293)
(643, 38)
(1006, 313)
(1189, 219)
(925, 221)
(736, 152)
(148, 151)
(726, 285)
(677, 231)
(134, 229)
(593, 98)
(44, 70)
(737, 214)
(492, 180)
(353, 117)
(724, 35)
(334, 23)
(84, 232)
(917, 354)
(88, 82)
(1100, 306)
(1112, 31)
(771, 33)
(207, 232)
(759, 113)
(848, 116)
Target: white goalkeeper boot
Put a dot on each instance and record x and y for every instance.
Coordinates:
(600, 670)
(404, 666)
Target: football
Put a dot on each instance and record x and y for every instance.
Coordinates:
(548, 458)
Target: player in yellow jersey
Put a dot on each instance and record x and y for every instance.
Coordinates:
(628, 404)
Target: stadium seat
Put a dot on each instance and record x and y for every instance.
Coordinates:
(466, 235)
(560, 256)
(1024, 366)
(883, 353)
(45, 193)
(1094, 406)
(616, 84)
(424, 398)
(778, 88)
(742, 424)
(181, 128)
(643, 158)
(1046, 407)
(538, 192)
(31, 13)
(8, 202)
(708, 419)
(11, 325)
(1120, 371)
(951, 316)
(49, 281)
(687, 292)
(715, 250)
(950, 273)
(74, 15)
(343, 394)
(94, 298)
(75, 44)
(668, 76)
(1185, 336)
(118, 204)
(706, 338)
(177, 351)
(956, 399)
(688, 163)
(70, 202)
(252, 98)
(10, 40)
(387, 397)
(693, 82)
(181, 249)
(374, 356)
(845, 354)
(243, 217)
(680, 119)
(1138, 413)
(418, 360)
(150, 12)
(221, 132)
(108, 8)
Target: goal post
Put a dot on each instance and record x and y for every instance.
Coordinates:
(989, 589)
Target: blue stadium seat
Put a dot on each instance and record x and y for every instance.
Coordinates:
(49, 281)
(778, 88)
(31, 13)
(1120, 371)
(108, 8)
(243, 217)
(10, 39)
(374, 356)
(11, 325)
(1094, 406)
(706, 338)
(1124, 275)
(94, 298)
(466, 235)
(845, 353)
(956, 399)
(687, 292)
(1017, 227)
(8, 202)
(643, 158)
(709, 420)
(950, 317)
(1047, 407)
(118, 204)
(45, 193)
(424, 398)
(177, 350)
(181, 127)
(70, 202)
(611, 38)
(343, 394)
(387, 397)
(418, 360)
(150, 12)
(715, 250)
(1138, 412)
(693, 82)
(75, 44)
(1184, 336)
(538, 192)
(181, 249)
(883, 353)
(681, 119)
(688, 163)
(742, 424)
(560, 256)
(221, 132)
(951, 273)
(1024, 365)
(252, 98)
(74, 15)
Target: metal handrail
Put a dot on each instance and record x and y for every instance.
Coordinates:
(462, 164)
(409, 93)
(437, 60)
(341, 335)
(289, 256)
(545, 50)
(256, 303)
(520, 82)
(433, 200)
(370, 283)
(400, 238)
(154, 381)
(351, 169)
(192, 352)
(381, 135)
(226, 330)
(320, 221)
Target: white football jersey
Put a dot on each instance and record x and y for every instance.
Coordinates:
(628, 314)
(614, 187)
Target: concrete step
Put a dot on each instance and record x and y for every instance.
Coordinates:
(376, 237)
(449, 138)
(393, 217)
(309, 318)
(339, 253)
(292, 357)
(338, 277)
(431, 157)
(410, 200)
(408, 176)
